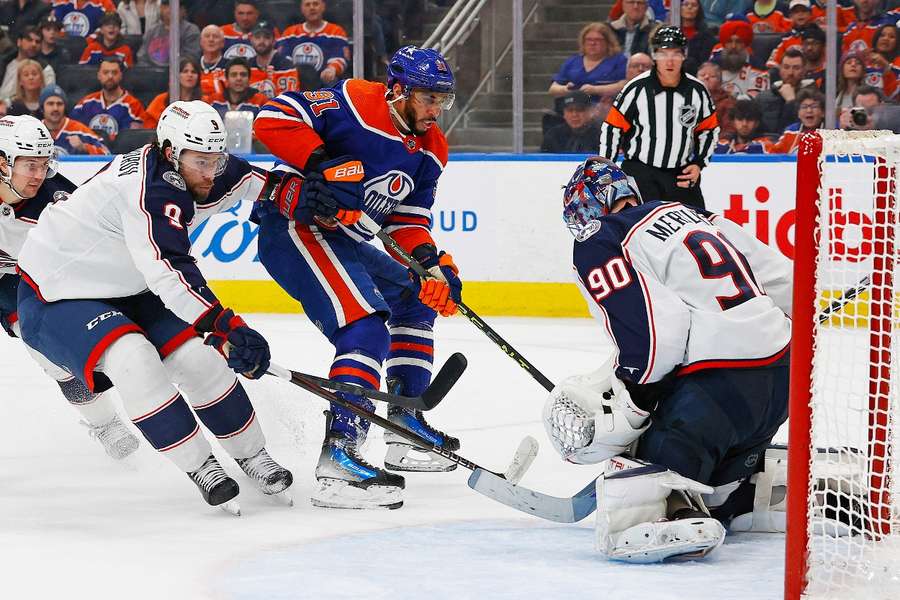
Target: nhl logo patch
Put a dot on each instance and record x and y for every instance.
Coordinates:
(687, 115)
(175, 180)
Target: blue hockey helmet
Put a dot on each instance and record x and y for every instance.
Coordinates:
(591, 193)
(422, 69)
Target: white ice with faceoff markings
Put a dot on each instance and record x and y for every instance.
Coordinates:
(74, 524)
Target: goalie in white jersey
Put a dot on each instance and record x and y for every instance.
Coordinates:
(109, 285)
(697, 312)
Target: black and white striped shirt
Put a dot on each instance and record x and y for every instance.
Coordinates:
(661, 126)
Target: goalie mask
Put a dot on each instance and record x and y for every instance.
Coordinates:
(196, 126)
(28, 148)
(593, 190)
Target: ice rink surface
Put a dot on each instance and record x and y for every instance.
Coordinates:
(75, 524)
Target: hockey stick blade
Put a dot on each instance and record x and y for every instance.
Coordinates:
(551, 508)
(446, 378)
(521, 462)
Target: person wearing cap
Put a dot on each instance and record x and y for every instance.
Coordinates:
(270, 73)
(138, 15)
(51, 52)
(69, 136)
(869, 17)
(154, 50)
(107, 42)
(663, 151)
(812, 43)
(80, 18)
(318, 48)
(746, 115)
(113, 108)
(765, 17)
(634, 27)
(579, 133)
(238, 33)
(800, 18)
(740, 78)
(779, 103)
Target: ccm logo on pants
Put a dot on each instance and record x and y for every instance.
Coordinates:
(100, 318)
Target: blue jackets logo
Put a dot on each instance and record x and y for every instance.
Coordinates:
(384, 193)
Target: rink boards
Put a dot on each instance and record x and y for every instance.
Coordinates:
(500, 217)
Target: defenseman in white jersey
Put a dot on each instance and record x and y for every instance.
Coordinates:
(109, 285)
(697, 312)
(29, 182)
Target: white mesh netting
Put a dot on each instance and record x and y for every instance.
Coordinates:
(854, 532)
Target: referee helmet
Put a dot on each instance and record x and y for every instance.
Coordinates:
(668, 36)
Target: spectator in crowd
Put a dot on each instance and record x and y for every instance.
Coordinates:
(30, 84)
(579, 133)
(633, 27)
(155, 47)
(779, 106)
(746, 115)
(112, 109)
(800, 17)
(657, 9)
(739, 78)
(138, 16)
(210, 12)
(319, 49)
(883, 62)
(212, 60)
(846, 15)
(29, 47)
(237, 34)
(80, 18)
(700, 38)
(238, 95)
(188, 86)
(717, 10)
(711, 75)
(811, 114)
(869, 17)
(597, 70)
(51, 52)
(813, 45)
(851, 75)
(271, 73)
(870, 112)
(765, 17)
(69, 136)
(16, 14)
(637, 63)
(108, 42)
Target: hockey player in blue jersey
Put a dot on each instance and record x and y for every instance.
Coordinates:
(368, 157)
(109, 285)
(697, 312)
(29, 182)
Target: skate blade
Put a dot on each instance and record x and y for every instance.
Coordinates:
(335, 493)
(231, 507)
(403, 457)
(284, 498)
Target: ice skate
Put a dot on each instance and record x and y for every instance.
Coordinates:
(271, 478)
(345, 480)
(402, 455)
(216, 487)
(115, 438)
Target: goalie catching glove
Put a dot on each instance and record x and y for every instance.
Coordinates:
(590, 418)
(247, 350)
(328, 194)
(442, 291)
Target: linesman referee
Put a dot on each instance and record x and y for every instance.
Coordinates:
(665, 122)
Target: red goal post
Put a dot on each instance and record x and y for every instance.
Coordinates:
(843, 501)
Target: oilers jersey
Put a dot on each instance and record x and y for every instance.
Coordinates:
(91, 143)
(80, 18)
(678, 288)
(325, 47)
(18, 219)
(353, 119)
(132, 224)
(105, 118)
(237, 43)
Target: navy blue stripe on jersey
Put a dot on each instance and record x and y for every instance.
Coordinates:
(229, 414)
(237, 172)
(52, 190)
(168, 426)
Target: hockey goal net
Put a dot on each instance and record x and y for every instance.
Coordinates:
(843, 533)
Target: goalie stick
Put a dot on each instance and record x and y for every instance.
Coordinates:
(521, 461)
(440, 385)
(552, 508)
(470, 315)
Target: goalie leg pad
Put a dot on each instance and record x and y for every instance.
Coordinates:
(667, 541)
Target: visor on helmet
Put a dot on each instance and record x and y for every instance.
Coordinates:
(210, 164)
(430, 99)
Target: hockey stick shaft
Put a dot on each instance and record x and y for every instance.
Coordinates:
(467, 312)
(848, 295)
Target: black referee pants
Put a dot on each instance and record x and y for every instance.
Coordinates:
(660, 184)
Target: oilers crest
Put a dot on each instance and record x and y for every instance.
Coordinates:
(308, 53)
(240, 50)
(76, 24)
(105, 123)
(384, 193)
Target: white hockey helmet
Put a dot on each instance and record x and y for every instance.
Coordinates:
(193, 125)
(25, 136)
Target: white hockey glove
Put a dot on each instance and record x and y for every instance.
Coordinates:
(590, 418)
(632, 503)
